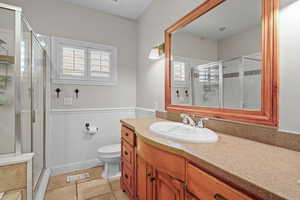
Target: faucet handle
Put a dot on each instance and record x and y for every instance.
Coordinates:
(183, 115)
(200, 122)
(184, 118)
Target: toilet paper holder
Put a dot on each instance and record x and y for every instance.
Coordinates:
(89, 128)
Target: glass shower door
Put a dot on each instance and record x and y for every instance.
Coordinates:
(232, 83)
(25, 87)
(38, 114)
(206, 85)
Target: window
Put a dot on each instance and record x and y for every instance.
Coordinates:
(179, 71)
(72, 62)
(77, 62)
(100, 63)
(208, 74)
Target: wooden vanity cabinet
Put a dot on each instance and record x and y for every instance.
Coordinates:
(158, 178)
(128, 162)
(149, 173)
(155, 185)
(189, 196)
(205, 186)
(144, 180)
(167, 187)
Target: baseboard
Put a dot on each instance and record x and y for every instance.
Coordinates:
(42, 186)
(71, 167)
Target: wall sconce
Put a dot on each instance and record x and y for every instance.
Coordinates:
(157, 52)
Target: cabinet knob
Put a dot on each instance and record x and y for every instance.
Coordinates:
(152, 179)
(219, 197)
(149, 174)
(126, 134)
(126, 176)
(126, 153)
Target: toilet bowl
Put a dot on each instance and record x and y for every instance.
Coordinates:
(110, 155)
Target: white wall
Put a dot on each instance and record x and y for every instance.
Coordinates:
(150, 76)
(57, 18)
(151, 25)
(245, 43)
(289, 72)
(73, 148)
(188, 45)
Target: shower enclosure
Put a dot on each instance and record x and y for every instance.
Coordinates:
(232, 83)
(23, 63)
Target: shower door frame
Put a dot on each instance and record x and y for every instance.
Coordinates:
(34, 36)
(268, 115)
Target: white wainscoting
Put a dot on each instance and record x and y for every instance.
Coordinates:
(70, 148)
(144, 112)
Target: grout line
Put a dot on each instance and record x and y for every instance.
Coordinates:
(76, 185)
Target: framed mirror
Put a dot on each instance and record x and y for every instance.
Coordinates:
(222, 61)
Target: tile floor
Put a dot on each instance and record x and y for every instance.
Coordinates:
(92, 188)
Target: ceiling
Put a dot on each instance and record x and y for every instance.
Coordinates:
(233, 16)
(131, 9)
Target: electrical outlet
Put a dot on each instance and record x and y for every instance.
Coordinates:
(68, 100)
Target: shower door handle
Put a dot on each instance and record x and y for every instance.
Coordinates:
(33, 116)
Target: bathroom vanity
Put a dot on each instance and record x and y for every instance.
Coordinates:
(231, 169)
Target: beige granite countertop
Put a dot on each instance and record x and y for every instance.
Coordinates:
(266, 171)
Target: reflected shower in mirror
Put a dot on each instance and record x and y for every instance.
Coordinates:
(217, 61)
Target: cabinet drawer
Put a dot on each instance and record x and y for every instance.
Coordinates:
(128, 154)
(168, 163)
(128, 135)
(127, 178)
(204, 186)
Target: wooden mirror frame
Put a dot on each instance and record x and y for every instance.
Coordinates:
(268, 115)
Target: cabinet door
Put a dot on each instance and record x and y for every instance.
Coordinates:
(167, 187)
(188, 196)
(144, 180)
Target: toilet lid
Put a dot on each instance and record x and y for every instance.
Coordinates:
(115, 148)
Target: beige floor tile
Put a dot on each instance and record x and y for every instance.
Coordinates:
(104, 197)
(16, 195)
(115, 184)
(93, 188)
(120, 195)
(61, 180)
(64, 193)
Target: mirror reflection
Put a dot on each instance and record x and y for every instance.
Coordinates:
(217, 60)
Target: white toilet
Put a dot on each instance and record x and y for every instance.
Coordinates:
(110, 155)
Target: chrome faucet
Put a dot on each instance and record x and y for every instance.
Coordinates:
(186, 119)
(200, 123)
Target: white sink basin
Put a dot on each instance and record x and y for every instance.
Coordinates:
(183, 133)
